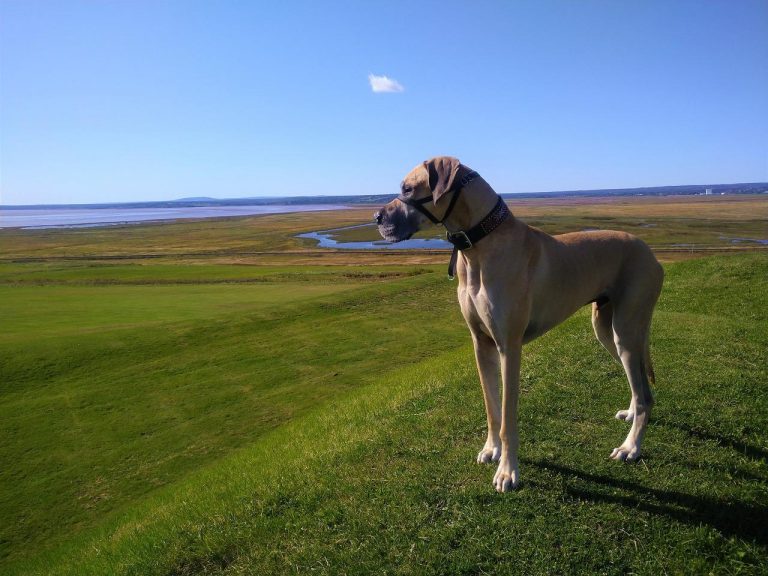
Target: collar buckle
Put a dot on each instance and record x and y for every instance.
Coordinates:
(459, 239)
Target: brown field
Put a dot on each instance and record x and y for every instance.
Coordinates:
(676, 227)
(736, 207)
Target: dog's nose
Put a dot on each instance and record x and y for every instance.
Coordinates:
(377, 216)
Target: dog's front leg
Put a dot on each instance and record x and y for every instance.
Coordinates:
(508, 475)
(487, 357)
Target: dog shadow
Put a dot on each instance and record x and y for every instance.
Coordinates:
(748, 450)
(732, 518)
(744, 520)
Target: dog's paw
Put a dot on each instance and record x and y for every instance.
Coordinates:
(489, 454)
(626, 415)
(507, 477)
(626, 452)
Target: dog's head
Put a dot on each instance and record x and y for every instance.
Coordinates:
(426, 184)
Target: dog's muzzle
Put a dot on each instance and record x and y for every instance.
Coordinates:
(395, 223)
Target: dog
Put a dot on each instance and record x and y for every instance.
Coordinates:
(516, 282)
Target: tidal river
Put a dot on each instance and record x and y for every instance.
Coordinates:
(327, 239)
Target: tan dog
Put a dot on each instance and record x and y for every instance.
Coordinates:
(516, 282)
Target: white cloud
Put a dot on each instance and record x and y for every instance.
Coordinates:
(384, 84)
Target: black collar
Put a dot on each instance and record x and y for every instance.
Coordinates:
(462, 240)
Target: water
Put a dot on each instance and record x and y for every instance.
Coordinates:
(325, 240)
(761, 241)
(90, 217)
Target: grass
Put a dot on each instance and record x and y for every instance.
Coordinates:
(182, 417)
(382, 479)
(141, 384)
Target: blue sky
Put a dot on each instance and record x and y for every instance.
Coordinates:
(106, 101)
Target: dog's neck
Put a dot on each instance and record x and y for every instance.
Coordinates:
(476, 201)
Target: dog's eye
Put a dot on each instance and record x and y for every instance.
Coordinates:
(406, 189)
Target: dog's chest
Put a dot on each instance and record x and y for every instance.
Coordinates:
(476, 308)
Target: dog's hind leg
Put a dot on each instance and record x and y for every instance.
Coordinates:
(487, 357)
(602, 322)
(630, 328)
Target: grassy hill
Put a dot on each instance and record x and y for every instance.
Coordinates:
(176, 419)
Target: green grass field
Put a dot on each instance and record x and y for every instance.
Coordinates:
(200, 416)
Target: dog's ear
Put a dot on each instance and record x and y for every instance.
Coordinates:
(442, 172)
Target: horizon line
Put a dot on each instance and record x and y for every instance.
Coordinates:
(309, 196)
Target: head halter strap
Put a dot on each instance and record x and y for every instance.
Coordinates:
(419, 204)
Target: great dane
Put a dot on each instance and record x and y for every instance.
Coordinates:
(516, 282)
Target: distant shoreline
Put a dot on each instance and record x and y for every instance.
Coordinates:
(79, 216)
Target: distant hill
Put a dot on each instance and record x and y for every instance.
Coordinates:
(361, 199)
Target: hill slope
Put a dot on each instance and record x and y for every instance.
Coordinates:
(383, 480)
